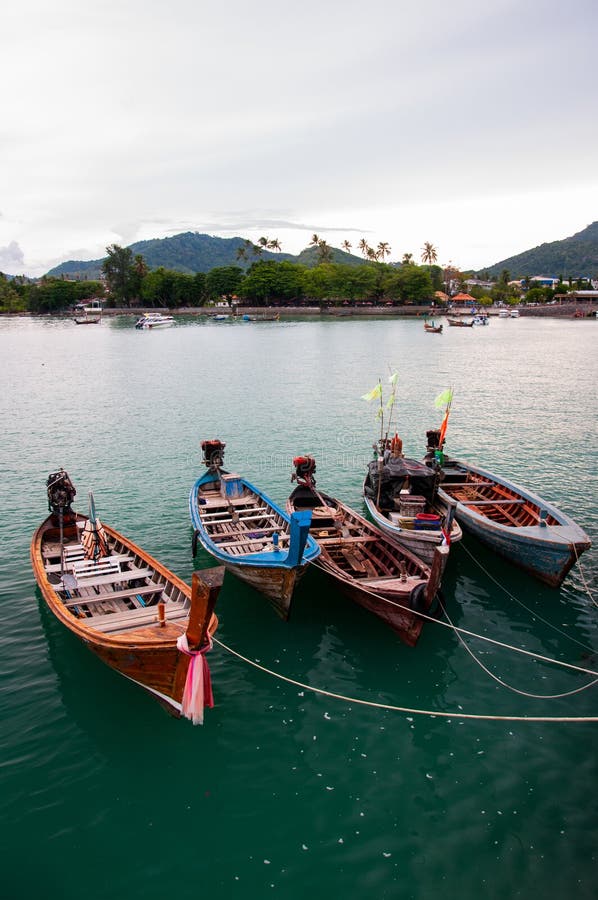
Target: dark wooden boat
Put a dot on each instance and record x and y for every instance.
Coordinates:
(460, 323)
(366, 564)
(248, 533)
(401, 497)
(517, 524)
(432, 328)
(130, 611)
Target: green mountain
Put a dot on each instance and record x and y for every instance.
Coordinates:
(191, 252)
(575, 256)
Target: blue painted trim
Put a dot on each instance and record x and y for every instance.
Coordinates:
(303, 548)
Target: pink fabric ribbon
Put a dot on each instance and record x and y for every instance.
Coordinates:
(198, 684)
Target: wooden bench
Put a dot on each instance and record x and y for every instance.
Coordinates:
(143, 591)
(113, 578)
(72, 565)
(136, 618)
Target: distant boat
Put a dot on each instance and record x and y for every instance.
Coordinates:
(260, 318)
(504, 314)
(514, 313)
(432, 328)
(154, 320)
(481, 320)
(365, 563)
(90, 314)
(517, 524)
(127, 608)
(460, 323)
(248, 533)
(220, 317)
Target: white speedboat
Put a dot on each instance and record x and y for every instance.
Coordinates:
(154, 320)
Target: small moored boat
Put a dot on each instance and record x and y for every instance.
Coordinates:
(248, 533)
(460, 323)
(88, 314)
(366, 564)
(515, 523)
(401, 497)
(154, 320)
(432, 328)
(130, 611)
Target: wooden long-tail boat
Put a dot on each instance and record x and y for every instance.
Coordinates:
(401, 497)
(514, 522)
(241, 527)
(135, 615)
(460, 323)
(366, 564)
(432, 328)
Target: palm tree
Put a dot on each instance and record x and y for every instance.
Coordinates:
(364, 247)
(324, 252)
(241, 252)
(346, 246)
(315, 240)
(371, 254)
(263, 242)
(429, 254)
(407, 259)
(274, 244)
(383, 249)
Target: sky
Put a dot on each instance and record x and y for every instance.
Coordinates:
(469, 125)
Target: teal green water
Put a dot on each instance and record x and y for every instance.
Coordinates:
(284, 792)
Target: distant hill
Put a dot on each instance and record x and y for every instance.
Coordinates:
(191, 252)
(574, 256)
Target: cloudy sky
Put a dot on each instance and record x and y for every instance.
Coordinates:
(471, 125)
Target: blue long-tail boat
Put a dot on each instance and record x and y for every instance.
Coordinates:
(248, 533)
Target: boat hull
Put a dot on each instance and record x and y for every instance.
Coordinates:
(422, 543)
(545, 551)
(147, 655)
(384, 578)
(247, 550)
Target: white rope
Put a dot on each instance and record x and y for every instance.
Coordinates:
(481, 637)
(403, 709)
(527, 608)
(510, 687)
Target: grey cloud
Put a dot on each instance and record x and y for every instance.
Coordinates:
(12, 259)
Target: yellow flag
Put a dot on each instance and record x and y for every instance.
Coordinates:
(443, 399)
(375, 392)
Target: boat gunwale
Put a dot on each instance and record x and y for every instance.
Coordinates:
(87, 632)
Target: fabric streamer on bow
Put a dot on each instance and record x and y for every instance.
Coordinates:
(198, 684)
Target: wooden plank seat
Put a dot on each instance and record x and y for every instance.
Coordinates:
(136, 618)
(71, 564)
(358, 539)
(264, 532)
(504, 502)
(225, 511)
(144, 591)
(230, 521)
(245, 543)
(462, 484)
(125, 575)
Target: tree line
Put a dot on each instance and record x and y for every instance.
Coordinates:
(128, 282)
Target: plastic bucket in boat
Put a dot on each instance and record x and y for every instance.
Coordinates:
(427, 522)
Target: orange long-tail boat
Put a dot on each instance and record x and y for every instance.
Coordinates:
(130, 610)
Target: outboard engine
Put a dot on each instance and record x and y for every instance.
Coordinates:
(305, 468)
(213, 453)
(61, 493)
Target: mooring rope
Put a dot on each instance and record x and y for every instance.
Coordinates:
(482, 637)
(402, 709)
(510, 687)
(523, 605)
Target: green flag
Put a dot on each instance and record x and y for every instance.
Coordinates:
(443, 399)
(393, 379)
(375, 392)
